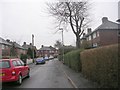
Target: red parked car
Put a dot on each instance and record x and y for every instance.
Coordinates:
(13, 70)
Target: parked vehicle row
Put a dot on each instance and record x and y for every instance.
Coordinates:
(14, 70)
(40, 61)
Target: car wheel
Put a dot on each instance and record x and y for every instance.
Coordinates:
(28, 75)
(19, 81)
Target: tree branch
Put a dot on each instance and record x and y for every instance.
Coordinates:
(70, 17)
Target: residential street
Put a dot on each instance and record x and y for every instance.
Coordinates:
(49, 75)
(71, 44)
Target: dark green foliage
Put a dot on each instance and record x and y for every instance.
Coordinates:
(23, 57)
(58, 44)
(13, 51)
(101, 65)
(66, 50)
(30, 53)
(35, 54)
(72, 59)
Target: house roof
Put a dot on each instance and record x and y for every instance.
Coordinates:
(18, 46)
(2, 41)
(25, 46)
(47, 48)
(52, 48)
(106, 25)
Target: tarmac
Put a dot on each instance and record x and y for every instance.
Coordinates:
(75, 78)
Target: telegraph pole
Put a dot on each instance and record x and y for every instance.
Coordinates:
(33, 46)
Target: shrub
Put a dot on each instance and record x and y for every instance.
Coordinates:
(72, 59)
(23, 57)
(66, 50)
(101, 65)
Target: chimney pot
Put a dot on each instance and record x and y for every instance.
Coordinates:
(8, 40)
(24, 43)
(89, 30)
(104, 19)
(42, 46)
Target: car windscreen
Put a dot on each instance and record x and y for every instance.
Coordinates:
(4, 64)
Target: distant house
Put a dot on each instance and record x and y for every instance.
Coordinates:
(0, 52)
(106, 34)
(19, 49)
(45, 51)
(26, 46)
(4, 47)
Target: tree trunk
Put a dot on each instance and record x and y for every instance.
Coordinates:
(77, 41)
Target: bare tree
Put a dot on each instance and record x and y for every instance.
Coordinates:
(58, 44)
(73, 13)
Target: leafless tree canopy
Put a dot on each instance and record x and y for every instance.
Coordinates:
(58, 44)
(74, 13)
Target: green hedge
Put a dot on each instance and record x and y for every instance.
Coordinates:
(101, 65)
(72, 59)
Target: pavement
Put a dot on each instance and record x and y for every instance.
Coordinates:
(77, 79)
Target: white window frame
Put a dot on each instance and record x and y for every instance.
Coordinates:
(94, 35)
(98, 34)
(95, 44)
(87, 38)
(3, 46)
(90, 38)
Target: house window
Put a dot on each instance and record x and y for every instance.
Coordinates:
(94, 35)
(3, 46)
(6, 47)
(95, 44)
(98, 34)
(0, 46)
(89, 38)
(81, 41)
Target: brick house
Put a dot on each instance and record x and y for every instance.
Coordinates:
(19, 49)
(4, 47)
(45, 51)
(105, 34)
(26, 46)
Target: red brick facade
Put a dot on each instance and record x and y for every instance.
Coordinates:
(106, 34)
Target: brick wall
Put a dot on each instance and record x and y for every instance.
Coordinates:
(108, 37)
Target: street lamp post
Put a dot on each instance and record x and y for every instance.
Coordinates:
(62, 43)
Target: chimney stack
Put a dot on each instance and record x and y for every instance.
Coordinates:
(104, 19)
(8, 40)
(24, 43)
(42, 46)
(30, 44)
(89, 30)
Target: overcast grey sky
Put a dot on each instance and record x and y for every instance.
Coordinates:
(19, 19)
